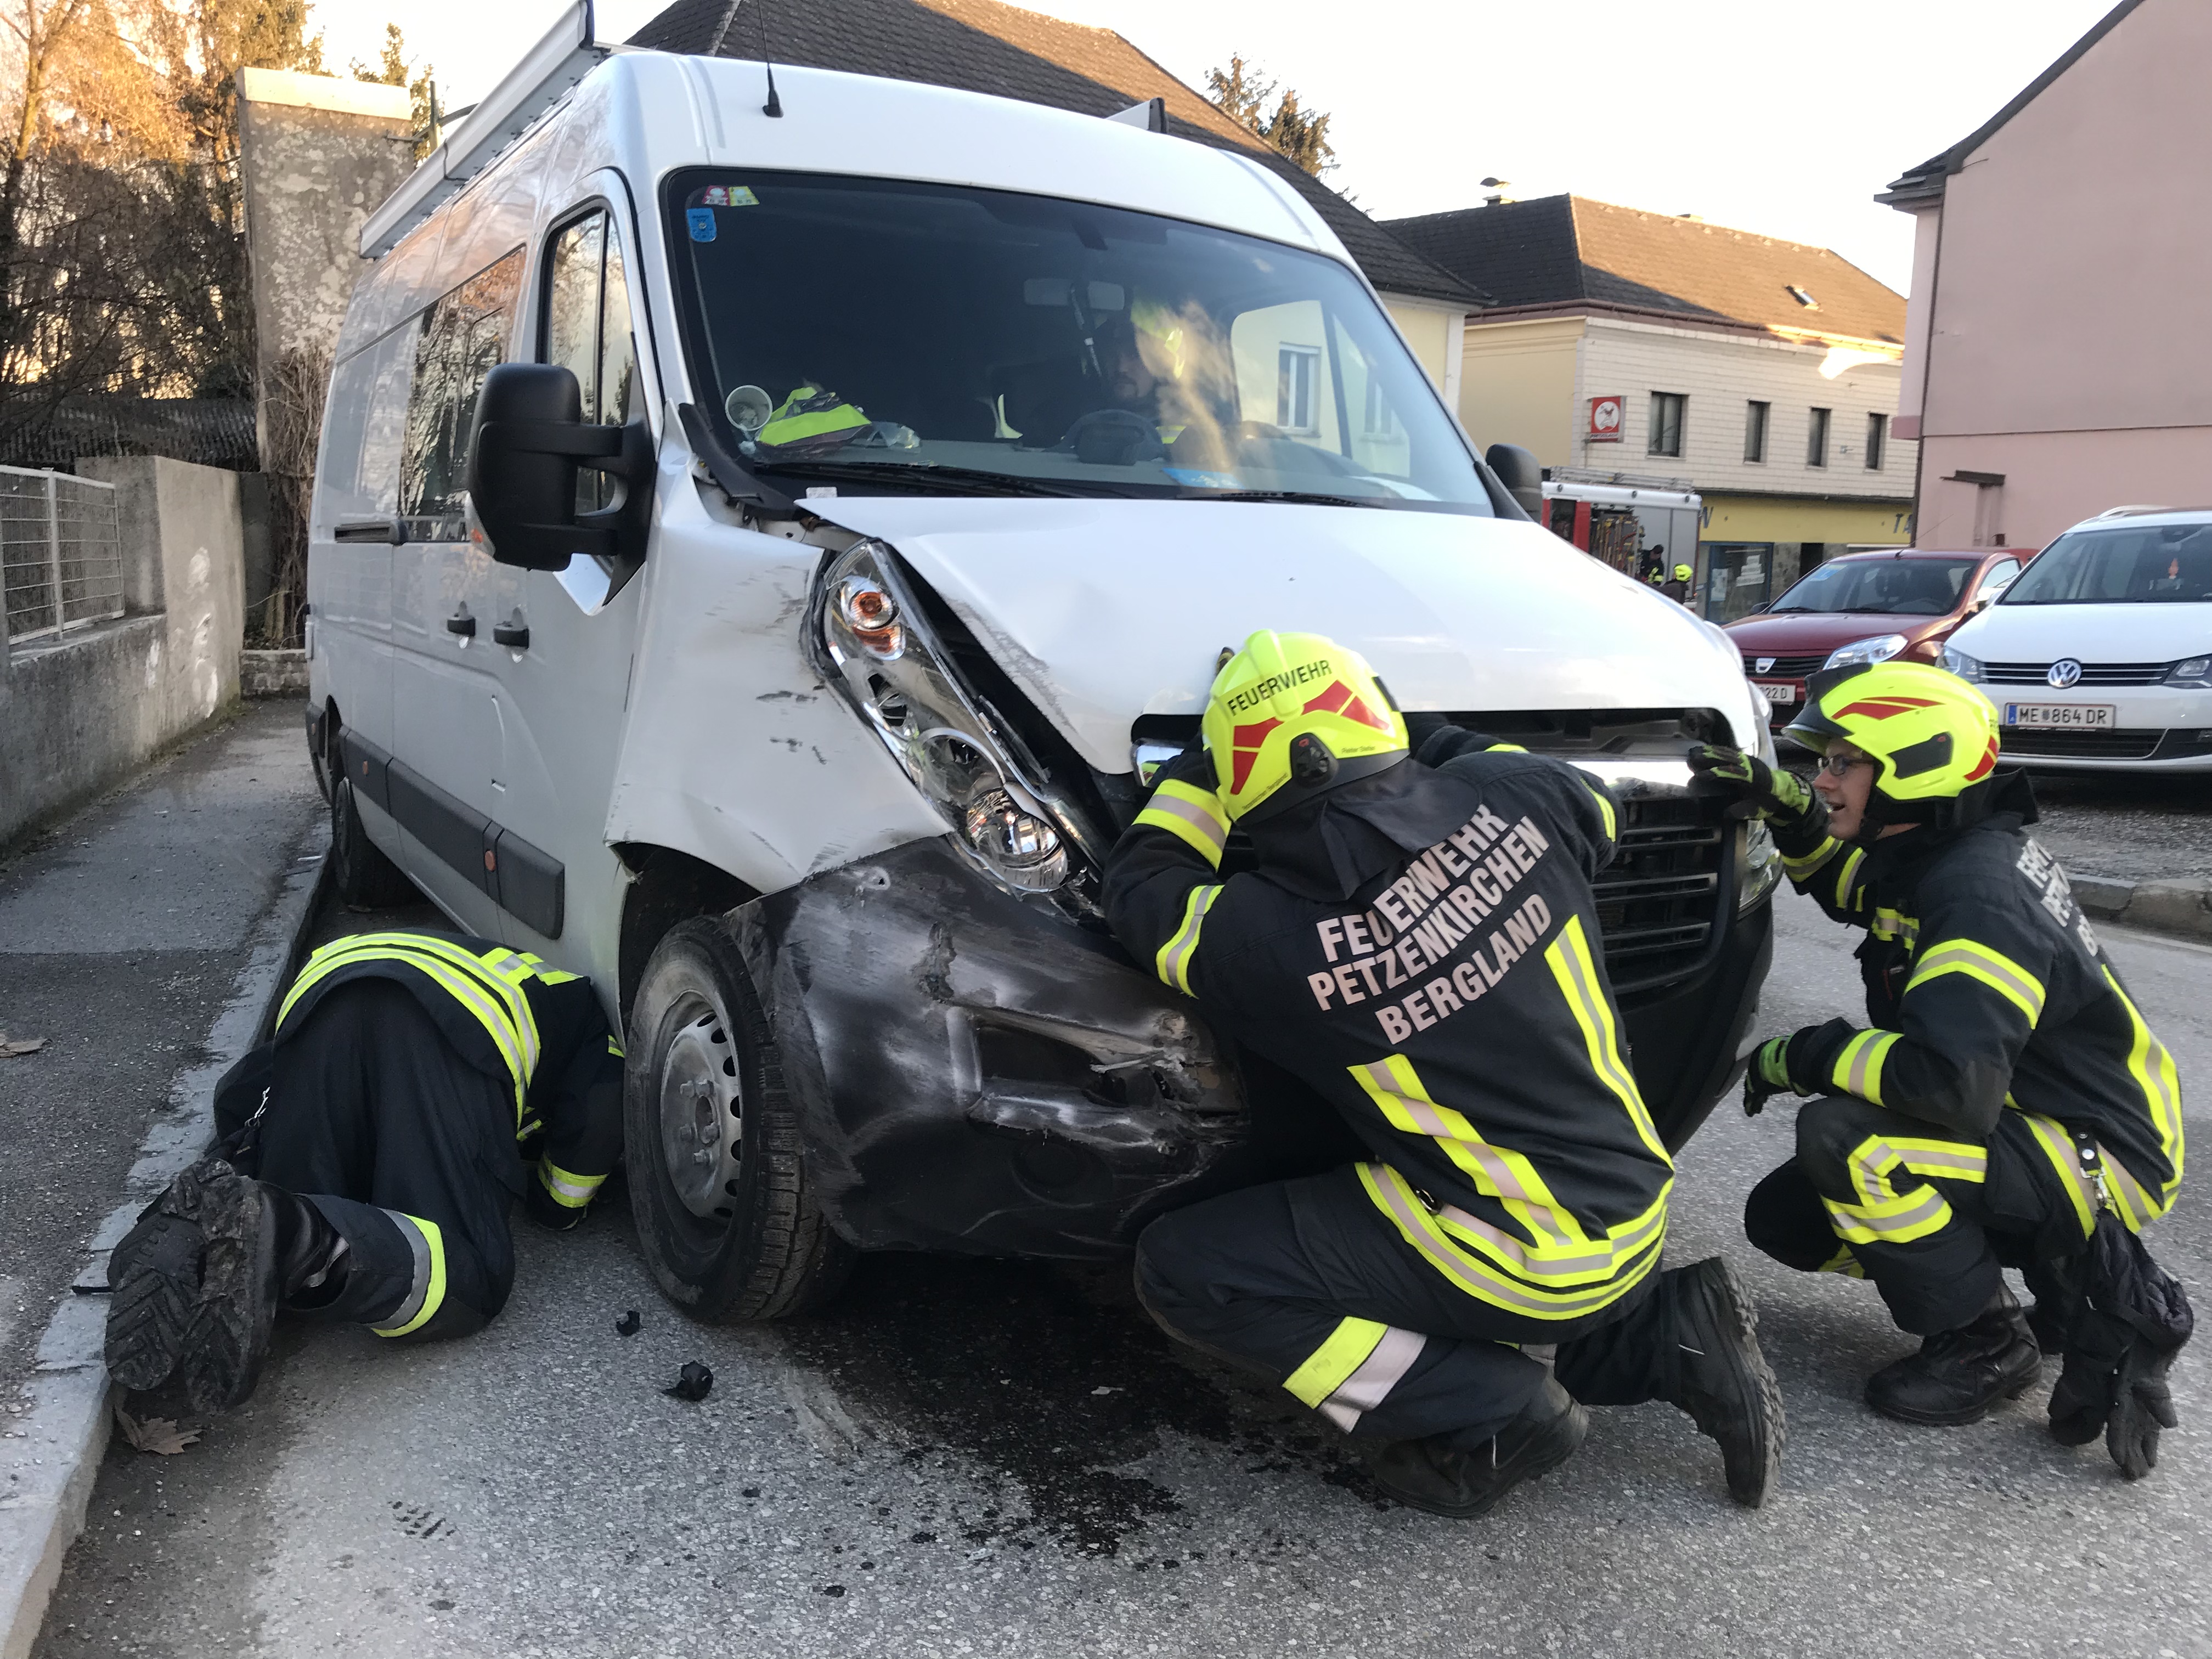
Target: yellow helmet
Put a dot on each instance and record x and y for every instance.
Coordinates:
(1932, 736)
(1297, 708)
(1681, 572)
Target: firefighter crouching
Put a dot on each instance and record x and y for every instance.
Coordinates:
(1419, 943)
(2006, 1107)
(418, 1085)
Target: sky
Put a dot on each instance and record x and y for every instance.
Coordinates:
(1782, 117)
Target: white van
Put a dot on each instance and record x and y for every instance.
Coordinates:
(757, 559)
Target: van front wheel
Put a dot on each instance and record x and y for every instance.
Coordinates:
(366, 879)
(725, 1216)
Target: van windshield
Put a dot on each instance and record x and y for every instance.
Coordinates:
(989, 342)
(1891, 586)
(2153, 564)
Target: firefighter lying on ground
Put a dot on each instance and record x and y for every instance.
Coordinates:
(1419, 945)
(2004, 1088)
(418, 1085)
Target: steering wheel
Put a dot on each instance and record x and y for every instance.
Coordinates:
(1112, 437)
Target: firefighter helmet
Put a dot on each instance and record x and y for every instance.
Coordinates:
(1931, 736)
(1681, 572)
(1300, 710)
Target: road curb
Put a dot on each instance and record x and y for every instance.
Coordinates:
(2181, 909)
(50, 1469)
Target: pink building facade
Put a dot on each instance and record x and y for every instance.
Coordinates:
(2059, 340)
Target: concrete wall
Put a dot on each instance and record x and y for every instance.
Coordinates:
(78, 714)
(317, 155)
(2070, 335)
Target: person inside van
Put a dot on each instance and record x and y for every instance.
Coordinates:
(1494, 1265)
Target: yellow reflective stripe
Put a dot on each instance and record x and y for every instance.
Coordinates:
(1992, 967)
(615, 1048)
(1556, 1266)
(1605, 806)
(1569, 957)
(1842, 1262)
(1173, 962)
(2058, 1146)
(1391, 1193)
(1894, 1221)
(1857, 1070)
(1327, 1366)
(1847, 897)
(1191, 814)
(570, 1191)
(1497, 1172)
(2153, 1069)
(1884, 1216)
(1803, 869)
(1895, 924)
(1507, 749)
(427, 1293)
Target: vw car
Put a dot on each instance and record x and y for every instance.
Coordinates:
(2099, 657)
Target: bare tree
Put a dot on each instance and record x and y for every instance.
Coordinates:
(1291, 130)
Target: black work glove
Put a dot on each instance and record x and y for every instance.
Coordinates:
(2114, 1383)
(2143, 1406)
(1761, 791)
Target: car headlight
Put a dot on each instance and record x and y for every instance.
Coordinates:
(1880, 649)
(1966, 667)
(1762, 721)
(2191, 670)
(1762, 864)
(881, 656)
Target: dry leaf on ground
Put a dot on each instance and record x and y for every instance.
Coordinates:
(10, 1046)
(154, 1434)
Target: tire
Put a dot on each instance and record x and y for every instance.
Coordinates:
(365, 879)
(726, 1217)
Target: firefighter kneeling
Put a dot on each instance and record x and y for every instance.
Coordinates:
(2007, 1106)
(370, 1155)
(1419, 943)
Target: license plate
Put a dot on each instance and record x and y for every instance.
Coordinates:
(1773, 693)
(2082, 716)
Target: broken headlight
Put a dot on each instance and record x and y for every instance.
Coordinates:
(882, 657)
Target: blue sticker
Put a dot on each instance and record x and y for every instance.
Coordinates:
(1191, 477)
(701, 221)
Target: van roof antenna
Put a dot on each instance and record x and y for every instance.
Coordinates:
(773, 107)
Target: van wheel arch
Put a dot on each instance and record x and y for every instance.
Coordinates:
(666, 887)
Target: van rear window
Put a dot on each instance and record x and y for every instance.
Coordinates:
(855, 326)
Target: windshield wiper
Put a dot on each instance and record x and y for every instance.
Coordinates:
(968, 480)
(1283, 495)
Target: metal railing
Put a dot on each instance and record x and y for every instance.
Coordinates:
(61, 554)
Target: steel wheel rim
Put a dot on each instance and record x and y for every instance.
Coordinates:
(702, 1109)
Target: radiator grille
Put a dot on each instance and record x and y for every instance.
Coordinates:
(2093, 673)
(2020, 743)
(1785, 668)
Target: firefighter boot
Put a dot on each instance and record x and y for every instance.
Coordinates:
(1724, 1381)
(1441, 1476)
(264, 1248)
(1957, 1374)
(154, 1275)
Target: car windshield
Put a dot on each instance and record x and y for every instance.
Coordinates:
(1891, 588)
(897, 335)
(2140, 564)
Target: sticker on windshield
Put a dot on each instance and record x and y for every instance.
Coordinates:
(701, 221)
(1196, 480)
(728, 196)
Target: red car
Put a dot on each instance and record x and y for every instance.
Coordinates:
(1866, 607)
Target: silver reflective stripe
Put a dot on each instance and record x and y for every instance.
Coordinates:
(1189, 812)
(1380, 1372)
(406, 1310)
(1489, 1286)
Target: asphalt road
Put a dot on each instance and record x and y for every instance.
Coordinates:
(2140, 827)
(974, 1458)
(120, 935)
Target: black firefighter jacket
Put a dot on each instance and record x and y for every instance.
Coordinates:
(1454, 1009)
(1987, 991)
(537, 1031)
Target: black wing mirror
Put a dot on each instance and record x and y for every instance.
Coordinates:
(1517, 471)
(528, 439)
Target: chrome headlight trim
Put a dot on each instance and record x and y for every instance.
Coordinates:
(1877, 647)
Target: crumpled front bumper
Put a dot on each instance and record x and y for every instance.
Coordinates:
(974, 1073)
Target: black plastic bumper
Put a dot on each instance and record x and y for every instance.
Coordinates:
(975, 1074)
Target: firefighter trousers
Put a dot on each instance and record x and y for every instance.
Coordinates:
(1932, 1218)
(1307, 1283)
(407, 1150)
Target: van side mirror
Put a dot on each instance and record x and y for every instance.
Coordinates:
(1517, 471)
(525, 447)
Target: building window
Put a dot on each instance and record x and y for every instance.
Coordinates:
(1755, 431)
(1877, 440)
(1666, 423)
(1295, 373)
(1378, 420)
(1816, 439)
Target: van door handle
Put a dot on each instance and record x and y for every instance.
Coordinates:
(513, 631)
(462, 623)
(389, 532)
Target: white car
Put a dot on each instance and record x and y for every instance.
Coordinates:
(2098, 658)
(754, 564)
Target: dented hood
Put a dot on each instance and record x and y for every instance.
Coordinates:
(1103, 610)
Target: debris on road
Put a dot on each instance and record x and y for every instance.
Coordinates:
(158, 1435)
(11, 1046)
(630, 1324)
(691, 1383)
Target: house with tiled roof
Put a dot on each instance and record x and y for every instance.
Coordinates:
(987, 46)
(1764, 373)
(2058, 350)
